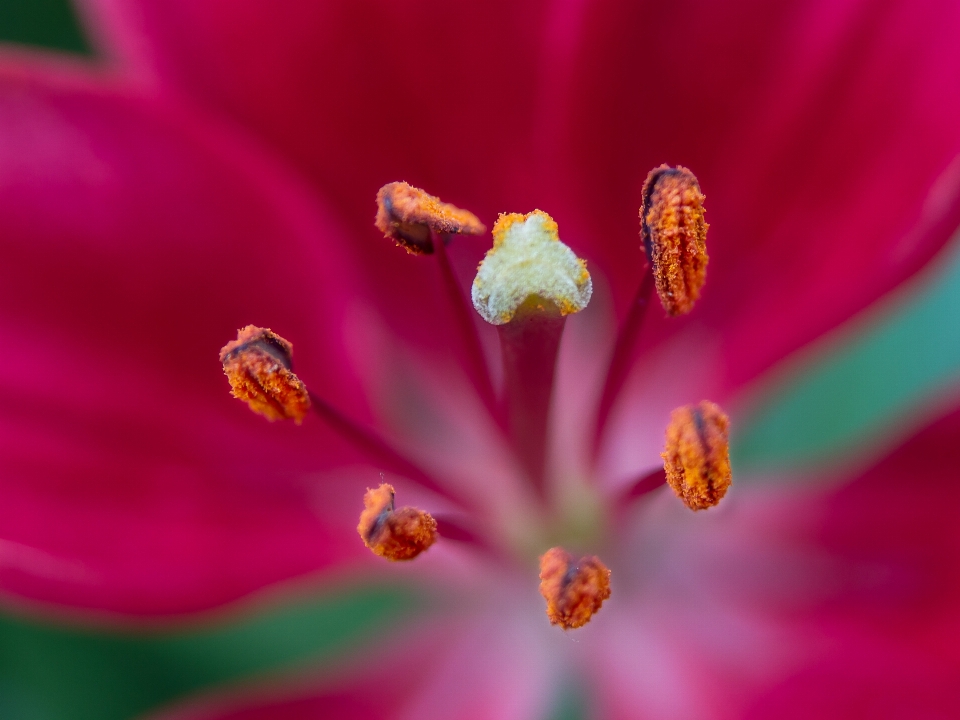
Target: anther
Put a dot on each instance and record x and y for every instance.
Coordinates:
(394, 534)
(574, 591)
(258, 366)
(674, 236)
(407, 215)
(528, 267)
(696, 458)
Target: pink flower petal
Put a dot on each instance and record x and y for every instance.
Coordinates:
(840, 602)
(475, 667)
(136, 240)
(820, 132)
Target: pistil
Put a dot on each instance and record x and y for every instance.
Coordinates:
(526, 285)
(529, 345)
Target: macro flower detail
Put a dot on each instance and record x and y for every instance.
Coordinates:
(258, 366)
(674, 236)
(696, 458)
(394, 534)
(529, 263)
(408, 215)
(208, 144)
(526, 286)
(574, 591)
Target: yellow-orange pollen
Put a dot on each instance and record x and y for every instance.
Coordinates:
(674, 236)
(573, 591)
(407, 215)
(529, 263)
(696, 458)
(257, 364)
(394, 534)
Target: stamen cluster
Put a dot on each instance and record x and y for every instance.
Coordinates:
(526, 285)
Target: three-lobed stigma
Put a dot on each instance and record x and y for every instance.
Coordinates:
(674, 236)
(696, 458)
(394, 534)
(574, 591)
(409, 216)
(528, 260)
(257, 364)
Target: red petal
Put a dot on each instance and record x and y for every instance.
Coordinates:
(355, 95)
(788, 602)
(818, 131)
(135, 241)
(822, 135)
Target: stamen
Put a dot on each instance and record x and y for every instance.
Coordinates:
(674, 236)
(380, 451)
(526, 285)
(421, 224)
(643, 485)
(696, 458)
(470, 337)
(407, 215)
(622, 353)
(257, 364)
(574, 592)
(394, 534)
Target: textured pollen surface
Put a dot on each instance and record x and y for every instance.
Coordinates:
(674, 234)
(696, 458)
(406, 215)
(573, 591)
(257, 364)
(394, 534)
(528, 260)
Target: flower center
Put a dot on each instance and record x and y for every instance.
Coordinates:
(527, 286)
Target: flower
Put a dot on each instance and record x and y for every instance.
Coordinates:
(220, 171)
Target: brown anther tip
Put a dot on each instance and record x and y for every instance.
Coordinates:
(674, 236)
(406, 215)
(573, 591)
(394, 534)
(257, 364)
(696, 458)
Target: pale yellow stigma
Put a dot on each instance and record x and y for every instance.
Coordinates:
(528, 260)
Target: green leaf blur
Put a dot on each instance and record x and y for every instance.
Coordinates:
(868, 387)
(45, 23)
(69, 672)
